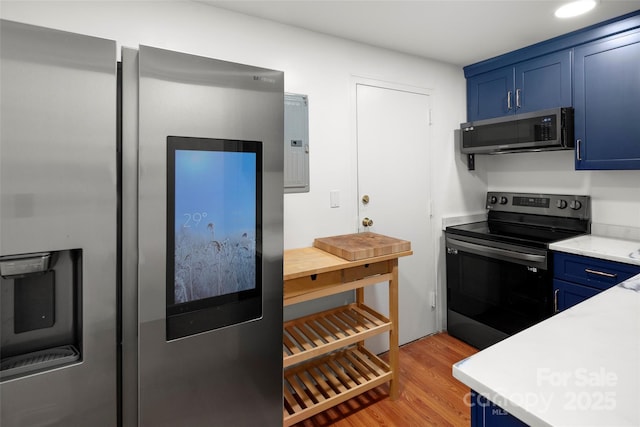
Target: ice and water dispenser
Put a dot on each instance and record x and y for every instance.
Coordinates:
(40, 324)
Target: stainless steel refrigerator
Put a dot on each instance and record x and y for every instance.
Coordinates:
(140, 235)
(58, 204)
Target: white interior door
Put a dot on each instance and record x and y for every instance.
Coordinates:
(393, 171)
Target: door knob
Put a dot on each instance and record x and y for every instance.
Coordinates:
(367, 222)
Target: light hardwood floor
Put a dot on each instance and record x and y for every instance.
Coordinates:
(429, 395)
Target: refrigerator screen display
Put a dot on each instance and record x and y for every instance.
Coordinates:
(214, 189)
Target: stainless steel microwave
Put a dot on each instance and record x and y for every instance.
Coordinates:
(538, 131)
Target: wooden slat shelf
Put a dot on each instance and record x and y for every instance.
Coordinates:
(320, 333)
(315, 386)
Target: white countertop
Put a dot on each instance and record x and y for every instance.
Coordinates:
(627, 251)
(579, 368)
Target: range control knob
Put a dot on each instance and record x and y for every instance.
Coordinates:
(561, 204)
(575, 205)
(503, 200)
(493, 200)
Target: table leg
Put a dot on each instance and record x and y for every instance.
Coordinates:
(393, 333)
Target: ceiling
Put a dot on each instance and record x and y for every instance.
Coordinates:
(460, 32)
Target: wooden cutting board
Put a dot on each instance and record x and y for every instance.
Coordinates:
(353, 247)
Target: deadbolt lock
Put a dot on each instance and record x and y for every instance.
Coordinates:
(367, 222)
(365, 199)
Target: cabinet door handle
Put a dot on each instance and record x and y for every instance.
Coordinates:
(555, 300)
(509, 93)
(518, 98)
(601, 273)
(578, 153)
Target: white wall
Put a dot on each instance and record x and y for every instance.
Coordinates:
(615, 194)
(317, 65)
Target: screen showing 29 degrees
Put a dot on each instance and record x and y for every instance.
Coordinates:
(215, 219)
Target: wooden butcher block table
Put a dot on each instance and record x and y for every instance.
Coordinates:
(325, 359)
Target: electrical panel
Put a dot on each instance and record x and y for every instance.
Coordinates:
(296, 143)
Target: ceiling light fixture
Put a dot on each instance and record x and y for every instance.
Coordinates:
(575, 8)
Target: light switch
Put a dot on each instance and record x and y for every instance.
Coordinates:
(334, 196)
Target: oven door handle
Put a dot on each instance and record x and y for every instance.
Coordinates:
(496, 252)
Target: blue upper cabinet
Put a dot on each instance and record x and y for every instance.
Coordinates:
(606, 91)
(544, 82)
(490, 94)
(536, 84)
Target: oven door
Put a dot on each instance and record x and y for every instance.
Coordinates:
(494, 289)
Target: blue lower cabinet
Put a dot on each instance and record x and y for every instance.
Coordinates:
(477, 409)
(484, 413)
(567, 294)
(577, 278)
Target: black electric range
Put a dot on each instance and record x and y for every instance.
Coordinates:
(499, 271)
